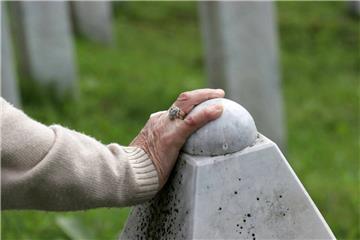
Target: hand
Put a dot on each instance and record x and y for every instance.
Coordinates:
(162, 138)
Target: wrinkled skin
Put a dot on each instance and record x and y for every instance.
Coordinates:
(162, 138)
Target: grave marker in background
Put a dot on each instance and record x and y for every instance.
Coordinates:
(9, 86)
(93, 20)
(241, 49)
(354, 7)
(235, 185)
(45, 44)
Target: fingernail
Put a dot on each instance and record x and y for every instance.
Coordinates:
(221, 91)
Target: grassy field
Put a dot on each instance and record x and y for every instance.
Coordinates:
(158, 54)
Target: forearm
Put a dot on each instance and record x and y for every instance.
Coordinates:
(54, 168)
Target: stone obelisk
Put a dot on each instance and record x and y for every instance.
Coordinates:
(230, 182)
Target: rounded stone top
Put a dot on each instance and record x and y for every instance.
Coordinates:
(233, 131)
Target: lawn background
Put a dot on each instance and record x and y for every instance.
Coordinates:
(158, 54)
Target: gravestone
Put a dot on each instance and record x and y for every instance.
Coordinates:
(354, 7)
(241, 187)
(241, 53)
(9, 86)
(44, 40)
(93, 20)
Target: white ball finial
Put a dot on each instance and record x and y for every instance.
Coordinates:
(233, 131)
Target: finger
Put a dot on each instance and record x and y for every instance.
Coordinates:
(187, 100)
(195, 121)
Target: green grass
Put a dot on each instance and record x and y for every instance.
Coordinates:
(320, 56)
(158, 54)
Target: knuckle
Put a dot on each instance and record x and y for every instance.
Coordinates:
(151, 118)
(151, 121)
(207, 113)
(156, 115)
(190, 121)
(184, 96)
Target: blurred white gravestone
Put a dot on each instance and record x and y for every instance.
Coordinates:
(93, 20)
(230, 190)
(241, 51)
(45, 43)
(9, 86)
(354, 7)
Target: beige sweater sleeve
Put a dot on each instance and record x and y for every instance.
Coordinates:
(54, 168)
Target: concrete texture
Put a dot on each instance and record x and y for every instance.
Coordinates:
(9, 86)
(45, 44)
(250, 194)
(232, 132)
(93, 20)
(241, 51)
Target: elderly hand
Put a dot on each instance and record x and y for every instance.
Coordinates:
(162, 138)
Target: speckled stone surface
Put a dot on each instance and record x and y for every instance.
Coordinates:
(250, 194)
(232, 132)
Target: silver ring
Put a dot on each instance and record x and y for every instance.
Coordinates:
(175, 112)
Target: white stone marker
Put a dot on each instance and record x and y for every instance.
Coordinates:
(93, 20)
(241, 51)
(45, 42)
(251, 193)
(9, 86)
(354, 7)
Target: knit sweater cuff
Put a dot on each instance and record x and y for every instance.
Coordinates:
(145, 173)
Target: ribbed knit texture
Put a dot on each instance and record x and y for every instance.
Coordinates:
(54, 168)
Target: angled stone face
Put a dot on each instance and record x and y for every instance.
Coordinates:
(93, 20)
(170, 214)
(9, 86)
(250, 194)
(241, 52)
(259, 196)
(45, 44)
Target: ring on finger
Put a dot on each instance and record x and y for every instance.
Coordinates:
(176, 112)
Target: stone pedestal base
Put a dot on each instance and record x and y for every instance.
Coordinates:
(251, 194)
